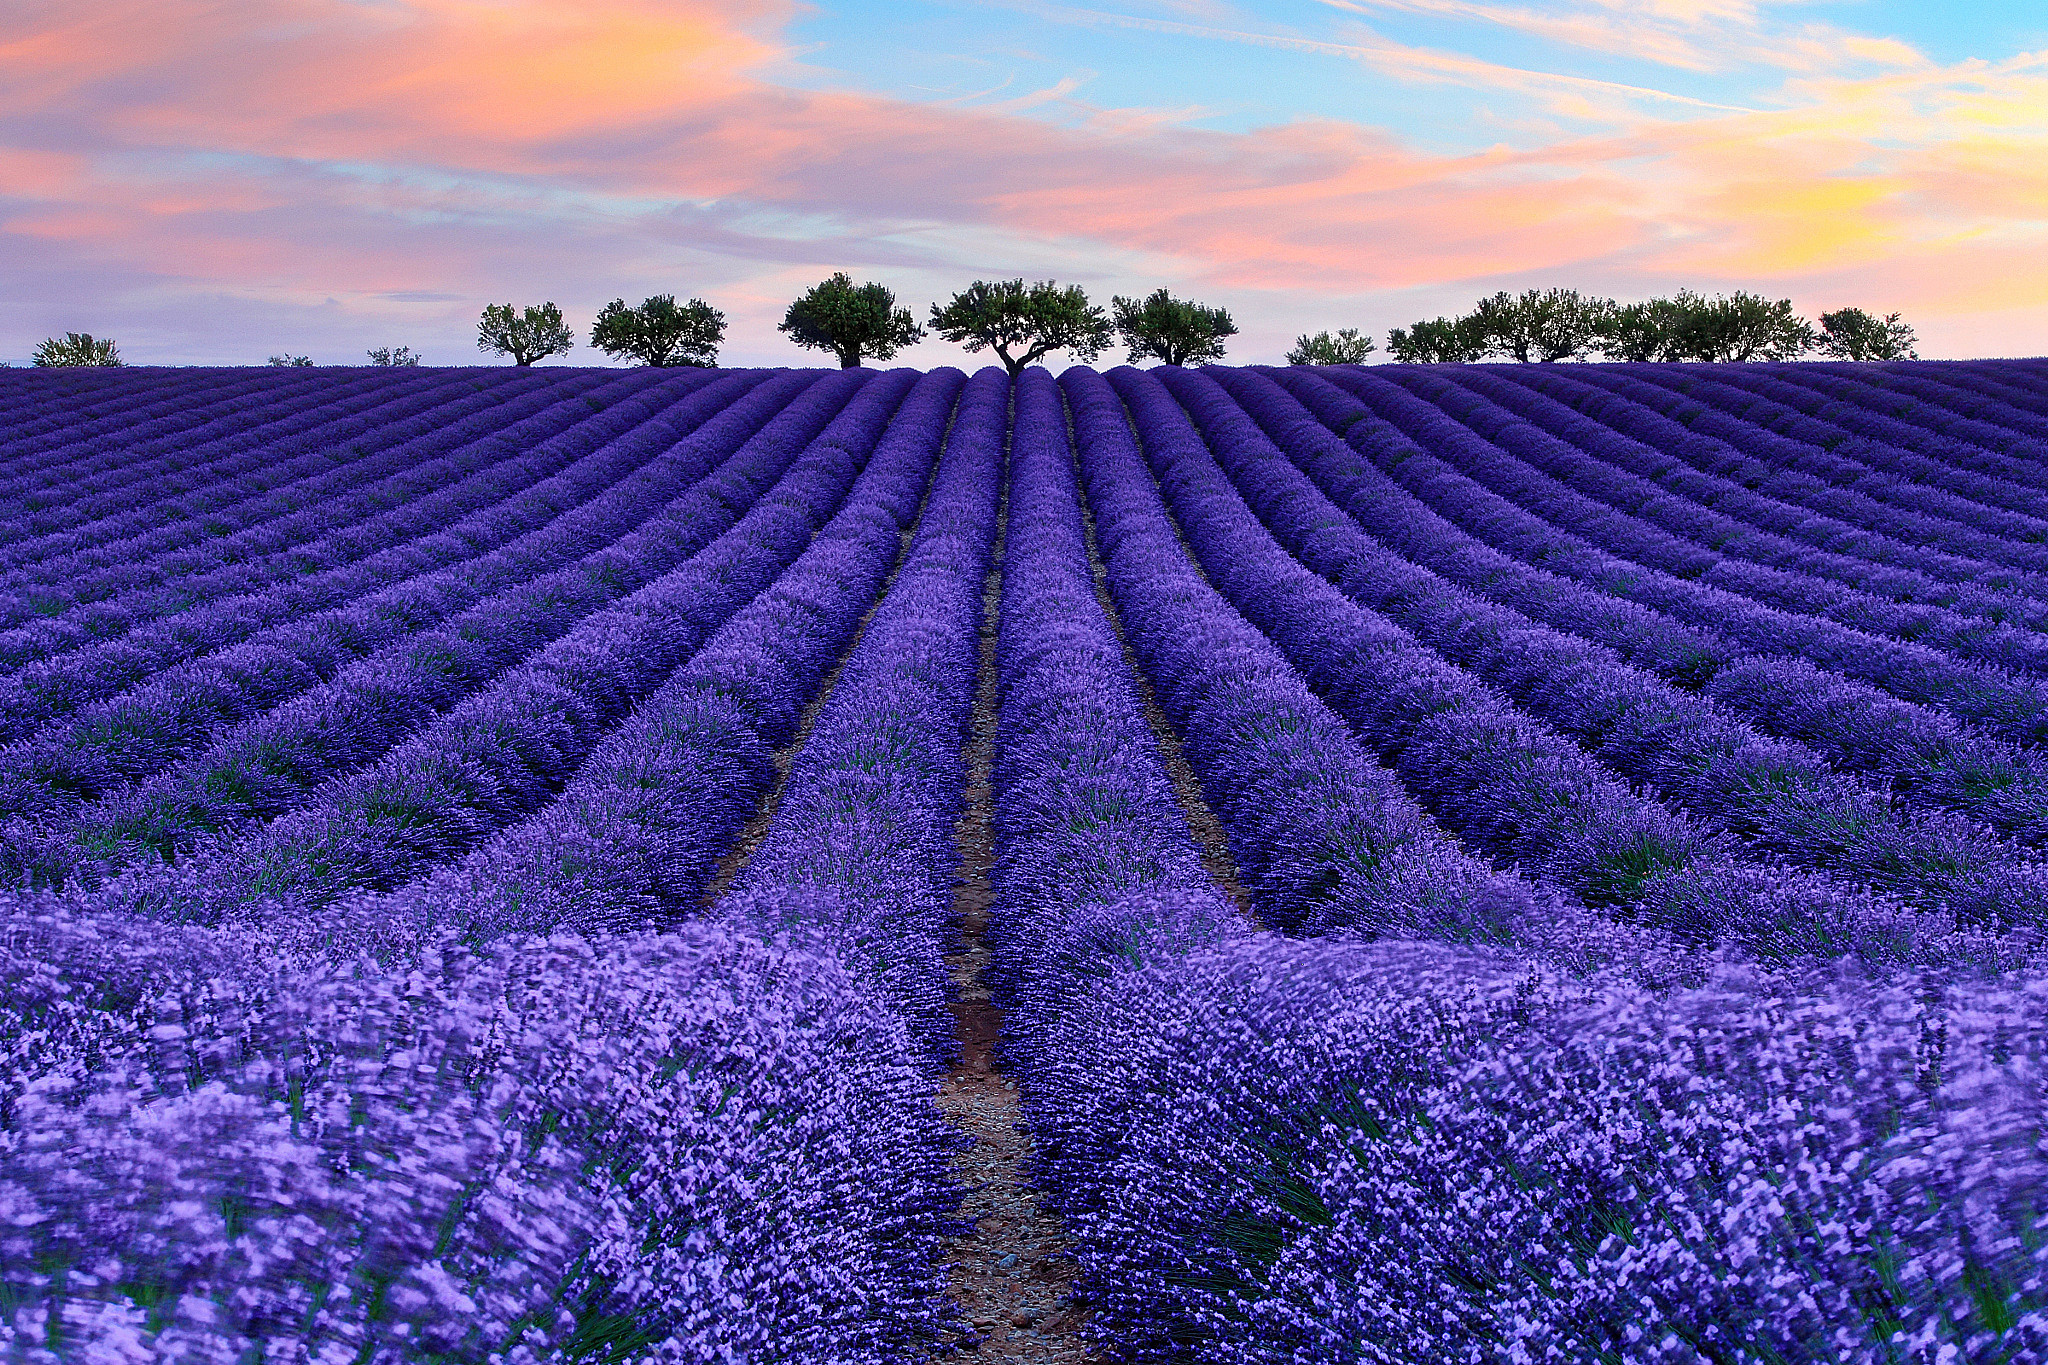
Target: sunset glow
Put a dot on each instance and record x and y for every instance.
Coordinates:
(211, 182)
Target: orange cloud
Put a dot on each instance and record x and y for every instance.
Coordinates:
(407, 158)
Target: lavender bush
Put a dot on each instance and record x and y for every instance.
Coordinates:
(658, 1148)
(479, 856)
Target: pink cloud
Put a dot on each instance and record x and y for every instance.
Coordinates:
(317, 154)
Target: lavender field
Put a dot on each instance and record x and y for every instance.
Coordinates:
(1471, 863)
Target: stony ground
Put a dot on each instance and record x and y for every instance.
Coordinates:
(1012, 1274)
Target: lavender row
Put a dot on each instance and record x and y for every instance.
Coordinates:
(1861, 427)
(1096, 874)
(43, 692)
(45, 402)
(808, 1229)
(1501, 781)
(1324, 838)
(1519, 789)
(137, 538)
(62, 446)
(1992, 465)
(684, 1147)
(1764, 487)
(1780, 797)
(302, 441)
(1931, 758)
(110, 397)
(280, 476)
(1638, 474)
(860, 855)
(1523, 792)
(433, 465)
(1546, 477)
(505, 604)
(1722, 622)
(504, 750)
(1287, 1153)
(2002, 394)
(434, 786)
(1935, 396)
(1251, 1148)
(201, 600)
(1808, 475)
(1095, 864)
(634, 838)
(38, 459)
(139, 472)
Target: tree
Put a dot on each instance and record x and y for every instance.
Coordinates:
(533, 334)
(1745, 326)
(1346, 347)
(290, 361)
(392, 355)
(1852, 334)
(77, 348)
(1170, 330)
(851, 321)
(1039, 319)
(1541, 325)
(660, 331)
(1655, 329)
(1441, 341)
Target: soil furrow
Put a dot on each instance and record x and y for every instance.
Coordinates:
(1012, 1273)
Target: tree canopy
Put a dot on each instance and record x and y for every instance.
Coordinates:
(1651, 330)
(77, 348)
(852, 321)
(392, 355)
(660, 331)
(1170, 330)
(1343, 347)
(1745, 326)
(533, 334)
(1541, 325)
(1562, 324)
(1023, 324)
(1852, 334)
(1438, 341)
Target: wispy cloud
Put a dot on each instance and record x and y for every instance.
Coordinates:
(1709, 36)
(219, 175)
(1393, 58)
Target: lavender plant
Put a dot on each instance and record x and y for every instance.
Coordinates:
(1632, 774)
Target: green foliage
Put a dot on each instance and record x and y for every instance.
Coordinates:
(1344, 347)
(533, 334)
(1654, 329)
(77, 348)
(852, 321)
(289, 361)
(1541, 325)
(1039, 319)
(660, 331)
(1745, 326)
(1852, 334)
(1439, 341)
(1170, 330)
(392, 355)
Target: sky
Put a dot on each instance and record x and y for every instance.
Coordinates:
(215, 181)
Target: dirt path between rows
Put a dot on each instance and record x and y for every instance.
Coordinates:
(756, 829)
(1012, 1275)
(1187, 789)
